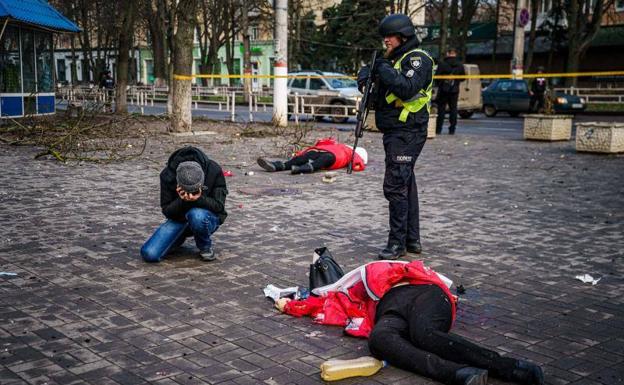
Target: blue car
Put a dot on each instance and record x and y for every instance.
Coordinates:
(513, 97)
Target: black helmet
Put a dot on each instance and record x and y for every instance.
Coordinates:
(397, 24)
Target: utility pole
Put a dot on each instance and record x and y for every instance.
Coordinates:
(521, 19)
(280, 68)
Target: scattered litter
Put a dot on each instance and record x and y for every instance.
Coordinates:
(249, 173)
(461, 289)
(228, 173)
(7, 274)
(313, 334)
(586, 278)
(274, 228)
(275, 293)
(330, 177)
(162, 373)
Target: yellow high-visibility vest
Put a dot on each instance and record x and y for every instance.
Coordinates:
(421, 99)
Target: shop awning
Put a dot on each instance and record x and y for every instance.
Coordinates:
(37, 13)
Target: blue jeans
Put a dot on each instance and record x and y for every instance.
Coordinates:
(200, 223)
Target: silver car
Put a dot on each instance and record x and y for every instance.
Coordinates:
(334, 93)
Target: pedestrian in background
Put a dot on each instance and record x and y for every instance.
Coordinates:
(448, 90)
(538, 90)
(404, 85)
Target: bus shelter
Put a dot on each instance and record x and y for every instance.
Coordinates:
(27, 56)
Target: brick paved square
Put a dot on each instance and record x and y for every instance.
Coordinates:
(512, 221)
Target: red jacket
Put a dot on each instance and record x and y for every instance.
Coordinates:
(351, 302)
(342, 152)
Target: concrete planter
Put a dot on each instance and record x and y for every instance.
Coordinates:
(547, 127)
(606, 137)
(431, 126)
(370, 121)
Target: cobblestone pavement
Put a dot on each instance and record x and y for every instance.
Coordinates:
(511, 220)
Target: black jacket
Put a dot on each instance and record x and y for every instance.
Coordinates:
(450, 66)
(416, 72)
(213, 193)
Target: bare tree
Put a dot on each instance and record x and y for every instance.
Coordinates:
(213, 30)
(532, 34)
(584, 18)
(182, 59)
(156, 13)
(128, 15)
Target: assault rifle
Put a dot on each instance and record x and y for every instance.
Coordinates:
(362, 111)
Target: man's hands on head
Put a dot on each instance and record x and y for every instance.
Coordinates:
(186, 196)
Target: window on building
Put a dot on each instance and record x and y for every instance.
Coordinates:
(619, 5)
(43, 49)
(61, 71)
(29, 75)
(254, 33)
(149, 71)
(10, 75)
(236, 71)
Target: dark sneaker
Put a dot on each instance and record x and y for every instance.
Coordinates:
(265, 164)
(207, 255)
(305, 169)
(527, 373)
(471, 376)
(414, 247)
(392, 252)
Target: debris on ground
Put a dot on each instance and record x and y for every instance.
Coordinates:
(586, 278)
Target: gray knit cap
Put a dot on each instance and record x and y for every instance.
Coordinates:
(190, 176)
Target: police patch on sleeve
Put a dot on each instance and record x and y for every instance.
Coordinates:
(416, 62)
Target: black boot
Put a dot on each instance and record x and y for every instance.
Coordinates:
(527, 373)
(413, 247)
(392, 252)
(471, 376)
(271, 166)
(305, 169)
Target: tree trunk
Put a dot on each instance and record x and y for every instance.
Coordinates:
(158, 33)
(181, 120)
(125, 42)
(443, 29)
(534, 10)
(495, 36)
(246, 48)
(454, 20)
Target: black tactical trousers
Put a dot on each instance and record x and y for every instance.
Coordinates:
(402, 149)
(411, 333)
(442, 100)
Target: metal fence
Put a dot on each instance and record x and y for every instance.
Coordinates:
(596, 95)
(224, 99)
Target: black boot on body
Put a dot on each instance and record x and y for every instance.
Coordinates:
(471, 376)
(527, 373)
(305, 169)
(271, 166)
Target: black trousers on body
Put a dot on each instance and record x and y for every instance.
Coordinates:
(399, 186)
(442, 100)
(318, 159)
(411, 332)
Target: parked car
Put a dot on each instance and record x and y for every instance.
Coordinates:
(469, 99)
(326, 88)
(513, 97)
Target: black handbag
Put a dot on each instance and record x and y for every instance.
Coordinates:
(325, 270)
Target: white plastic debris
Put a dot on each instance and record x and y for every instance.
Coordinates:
(586, 278)
(7, 274)
(276, 293)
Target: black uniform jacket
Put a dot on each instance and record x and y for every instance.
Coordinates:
(416, 72)
(213, 193)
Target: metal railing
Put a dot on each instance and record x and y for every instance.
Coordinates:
(224, 99)
(596, 95)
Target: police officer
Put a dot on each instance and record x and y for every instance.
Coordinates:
(404, 83)
(448, 90)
